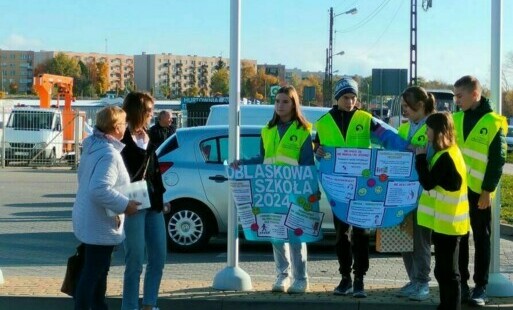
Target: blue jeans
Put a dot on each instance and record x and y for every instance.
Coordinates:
(92, 285)
(289, 256)
(145, 234)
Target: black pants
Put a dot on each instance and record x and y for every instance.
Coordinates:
(446, 270)
(92, 286)
(351, 247)
(480, 221)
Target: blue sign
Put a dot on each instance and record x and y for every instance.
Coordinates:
(277, 203)
(369, 188)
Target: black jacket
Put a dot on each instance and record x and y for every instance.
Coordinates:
(159, 134)
(135, 160)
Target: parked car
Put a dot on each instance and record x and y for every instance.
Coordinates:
(509, 138)
(192, 162)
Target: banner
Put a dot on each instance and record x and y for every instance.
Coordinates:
(277, 203)
(369, 188)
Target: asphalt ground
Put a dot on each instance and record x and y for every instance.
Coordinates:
(36, 238)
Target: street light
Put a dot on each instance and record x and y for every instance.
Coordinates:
(329, 57)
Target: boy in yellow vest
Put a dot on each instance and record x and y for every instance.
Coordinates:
(347, 126)
(480, 134)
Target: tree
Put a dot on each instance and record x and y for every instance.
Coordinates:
(219, 82)
(64, 65)
(220, 64)
(13, 87)
(247, 73)
(165, 90)
(102, 84)
(192, 91)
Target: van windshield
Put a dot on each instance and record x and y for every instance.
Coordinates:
(31, 120)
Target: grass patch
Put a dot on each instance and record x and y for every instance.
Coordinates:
(507, 198)
(509, 158)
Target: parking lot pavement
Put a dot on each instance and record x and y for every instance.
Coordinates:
(36, 239)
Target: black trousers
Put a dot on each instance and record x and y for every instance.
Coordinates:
(446, 270)
(351, 247)
(480, 221)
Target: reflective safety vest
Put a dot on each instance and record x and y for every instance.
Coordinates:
(443, 211)
(475, 148)
(357, 135)
(284, 151)
(418, 139)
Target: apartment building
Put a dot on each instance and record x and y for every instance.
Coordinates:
(16, 71)
(121, 67)
(168, 75)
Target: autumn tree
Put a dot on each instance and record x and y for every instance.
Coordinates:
(248, 71)
(102, 83)
(219, 82)
(13, 87)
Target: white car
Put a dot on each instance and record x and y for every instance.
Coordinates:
(193, 172)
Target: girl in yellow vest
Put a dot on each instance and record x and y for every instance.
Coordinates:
(286, 140)
(443, 204)
(417, 105)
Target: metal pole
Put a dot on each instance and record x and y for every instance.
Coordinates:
(498, 284)
(330, 60)
(232, 277)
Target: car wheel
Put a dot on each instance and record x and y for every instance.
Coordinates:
(188, 228)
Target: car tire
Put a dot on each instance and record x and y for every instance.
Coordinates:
(188, 228)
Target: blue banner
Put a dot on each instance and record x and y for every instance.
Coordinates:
(277, 203)
(369, 188)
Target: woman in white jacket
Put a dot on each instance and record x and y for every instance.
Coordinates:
(101, 171)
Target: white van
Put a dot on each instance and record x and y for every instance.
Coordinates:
(258, 114)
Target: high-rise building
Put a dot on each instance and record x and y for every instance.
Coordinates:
(121, 67)
(16, 71)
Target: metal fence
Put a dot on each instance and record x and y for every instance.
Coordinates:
(31, 136)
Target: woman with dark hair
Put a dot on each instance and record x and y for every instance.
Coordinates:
(417, 105)
(145, 231)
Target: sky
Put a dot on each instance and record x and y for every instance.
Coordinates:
(453, 36)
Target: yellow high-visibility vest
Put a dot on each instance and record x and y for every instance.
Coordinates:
(444, 211)
(284, 151)
(418, 139)
(357, 135)
(475, 148)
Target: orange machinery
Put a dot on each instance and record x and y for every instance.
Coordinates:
(44, 85)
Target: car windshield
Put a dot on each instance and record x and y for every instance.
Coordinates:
(31, 120)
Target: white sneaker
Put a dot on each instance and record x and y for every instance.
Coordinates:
(281, 284)
(406, 290)
(421, 292)
(299, 286)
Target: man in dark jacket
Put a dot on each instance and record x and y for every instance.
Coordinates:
(162, 129)
(484, 151)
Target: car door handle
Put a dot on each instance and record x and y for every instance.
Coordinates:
(218, 178)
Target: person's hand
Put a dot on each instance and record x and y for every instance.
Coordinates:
(421, 150)
(485, 200)
(236, 164)
(131, 208)
(320, 152)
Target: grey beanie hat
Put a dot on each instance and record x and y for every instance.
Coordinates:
(344, 86)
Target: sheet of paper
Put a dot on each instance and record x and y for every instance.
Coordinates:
(352, 161)
(272, 225)
(241, 191)
(394, 164)
(402, 193)
(365, 213)
(341, 188)
(310, 222)
(246, 216)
